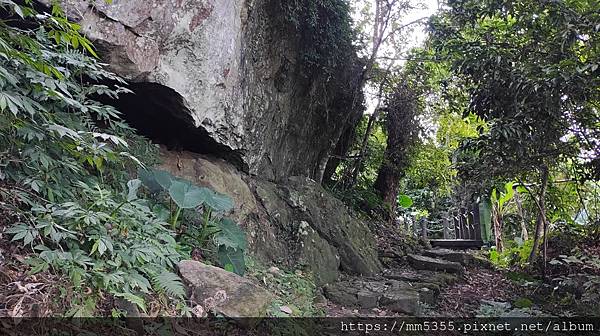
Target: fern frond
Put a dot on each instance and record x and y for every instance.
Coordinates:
(169, 283)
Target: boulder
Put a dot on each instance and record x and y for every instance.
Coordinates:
(277, 234)
(330, 217)
(432, 264)
(401, 302)
(239, 297)
(317, 229)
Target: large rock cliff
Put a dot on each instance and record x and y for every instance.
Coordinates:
(229, 78)
(233, 75)
(295, 223)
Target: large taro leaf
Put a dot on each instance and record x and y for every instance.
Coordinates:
(187, 195)
(232, 259)
(156, 180)
(230, 235)
(219, 202)
(132, 188)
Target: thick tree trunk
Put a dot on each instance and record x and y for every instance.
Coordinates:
(402, 130)
(524, 233)
(541, 219)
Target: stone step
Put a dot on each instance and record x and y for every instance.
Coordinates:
(432, 277)
(393, 295)
(456, 256)
(433, 264)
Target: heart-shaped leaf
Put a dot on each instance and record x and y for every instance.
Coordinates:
(187, 195)
(219, 202)
(230, 235)
(156, 180)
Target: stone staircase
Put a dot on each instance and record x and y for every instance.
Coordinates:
(403, 290)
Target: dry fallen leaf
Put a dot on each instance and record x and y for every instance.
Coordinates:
(286, 310)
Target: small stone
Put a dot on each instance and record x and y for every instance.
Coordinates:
(274, 270)
(406, 302)
(199, 311)
(367, 299)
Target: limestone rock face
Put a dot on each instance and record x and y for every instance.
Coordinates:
(231, 77)
(317, 228)
(236, 68)
(224, 292)
(212, 173)
(295, 223)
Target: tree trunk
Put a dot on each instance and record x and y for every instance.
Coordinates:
(524, 233)
(402, 131)
(541, 218)
(497, 228)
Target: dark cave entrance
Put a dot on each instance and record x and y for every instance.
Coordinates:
(159, 113)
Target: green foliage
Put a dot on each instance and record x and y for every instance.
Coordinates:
(229, 238)
(231, 235)
(64, 171)
(169, 283)
(294, 289)
(76, 210)
(528, 61)
(232, 259)
(515, 254)
(324, 30)
(405, 201)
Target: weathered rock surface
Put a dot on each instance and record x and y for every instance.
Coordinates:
(463, 258)
(297, 224)
(440, 279)
(236, 68)
(320, 230)
(207, 283)
(393, 295)
(432, 264)
(213, 173)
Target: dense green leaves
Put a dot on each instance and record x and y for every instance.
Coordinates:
(531, 69)
(228, 236)
(65, 160)
(169, 283)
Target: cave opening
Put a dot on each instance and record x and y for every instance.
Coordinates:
(160, 114)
